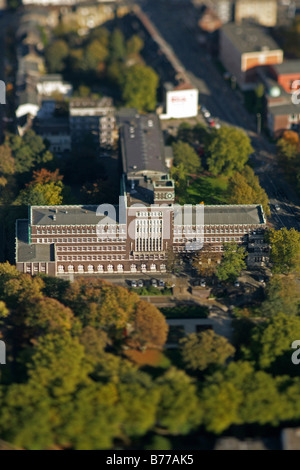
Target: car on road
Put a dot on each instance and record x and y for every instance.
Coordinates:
(140, 283)
(205, 112)
(154, 283)
(237, 284)
(203, 283)
(161, 283)
(277, 207)
(261, 279)
(133, 283)
(211, 122)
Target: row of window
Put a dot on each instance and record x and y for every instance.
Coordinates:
(208, 240)
(76, 240)
(91, 257)
(91, 248)
(110, 268)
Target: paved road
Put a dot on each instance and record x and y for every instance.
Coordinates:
(175, 22)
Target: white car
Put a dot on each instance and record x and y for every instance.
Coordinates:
(277, 207)
(203, 283)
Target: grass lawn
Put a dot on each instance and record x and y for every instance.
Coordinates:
(209, 189)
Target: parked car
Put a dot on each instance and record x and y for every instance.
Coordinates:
(205, 112)
(133, 283)
(154, 282)
(237, 284)
(203, 283)
(261, 279)
(161, 283)
(277, 207)
(140, 283)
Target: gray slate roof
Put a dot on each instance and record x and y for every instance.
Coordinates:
(249, 37)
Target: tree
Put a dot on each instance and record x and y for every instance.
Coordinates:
(232, 262)
(285, 250)
(41, 194)
(44, 176)
(7, 163)
(117, 46)
(185, 154)
(228, 150)
(206, 261)
(134, 45)
(28, 151)
(55, 55)
(101, 305)
(241, 395)
(150, 327)
(179, 409)
(282, 295)
(244, 188)
(270, 343)
(95, 54)
(139, 86)
(205, 349)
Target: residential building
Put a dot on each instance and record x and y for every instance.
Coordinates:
(286, 74)
(263, 12)
(244, 49)
(51, 84)
(56, 131)
(93, 117)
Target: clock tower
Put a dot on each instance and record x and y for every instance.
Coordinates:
(164, 191)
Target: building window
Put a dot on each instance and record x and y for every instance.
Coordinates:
(100, 268)
(133, 268)
(143, 267)
(61, 268)
(120, 268)
(90, 268)
(153, 267)
(110, 268)
(71, 268)
(80, 268)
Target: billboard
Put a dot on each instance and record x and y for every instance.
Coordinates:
(182, 103)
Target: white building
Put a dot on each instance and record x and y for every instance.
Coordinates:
(180, 101)
(53, 83)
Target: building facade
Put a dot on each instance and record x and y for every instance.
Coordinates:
(244, 49)
(95, 118)
(137, 235)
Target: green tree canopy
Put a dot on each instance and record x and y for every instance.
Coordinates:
(199, 351)
(139, 86)
(229, 150)
(232, 262)
(285, 250)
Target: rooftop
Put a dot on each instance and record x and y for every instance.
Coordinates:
(142, 144)
(249, 37)
(68, 215)
(229, 215)
(284, 110)
(31, 253)
(287, 67)
(105, 102)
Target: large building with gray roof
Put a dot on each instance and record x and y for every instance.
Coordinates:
(137, 235)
